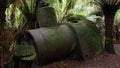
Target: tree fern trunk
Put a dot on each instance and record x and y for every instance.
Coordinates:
(2, 23)
(2, 18)
(109, 20)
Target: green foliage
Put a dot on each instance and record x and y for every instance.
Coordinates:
(19, 18)
(8, 14)
(28, 6)
(62, 7)
(83, 8)
(23, 10)
(75, 18)
(25, 52)
(117, 18)
(50, 1)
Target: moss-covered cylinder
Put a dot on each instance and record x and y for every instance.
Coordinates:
(53, 42)
(81, 40)
(89, 43)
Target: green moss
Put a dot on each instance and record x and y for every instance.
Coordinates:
(92, 34)
(25, 52)
(74, 18)
(88, 38)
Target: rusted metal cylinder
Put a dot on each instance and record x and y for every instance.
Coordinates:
(53, 42)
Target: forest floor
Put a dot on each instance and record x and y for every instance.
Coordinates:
(105, 60)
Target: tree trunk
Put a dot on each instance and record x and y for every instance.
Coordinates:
(109, 20)
(2, 19)
(3, 4)
(1, 58)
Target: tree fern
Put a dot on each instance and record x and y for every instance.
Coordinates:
(109, 8)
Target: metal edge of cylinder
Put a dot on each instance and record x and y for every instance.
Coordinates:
(72, 34)
(34, 35)
(76, 34)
